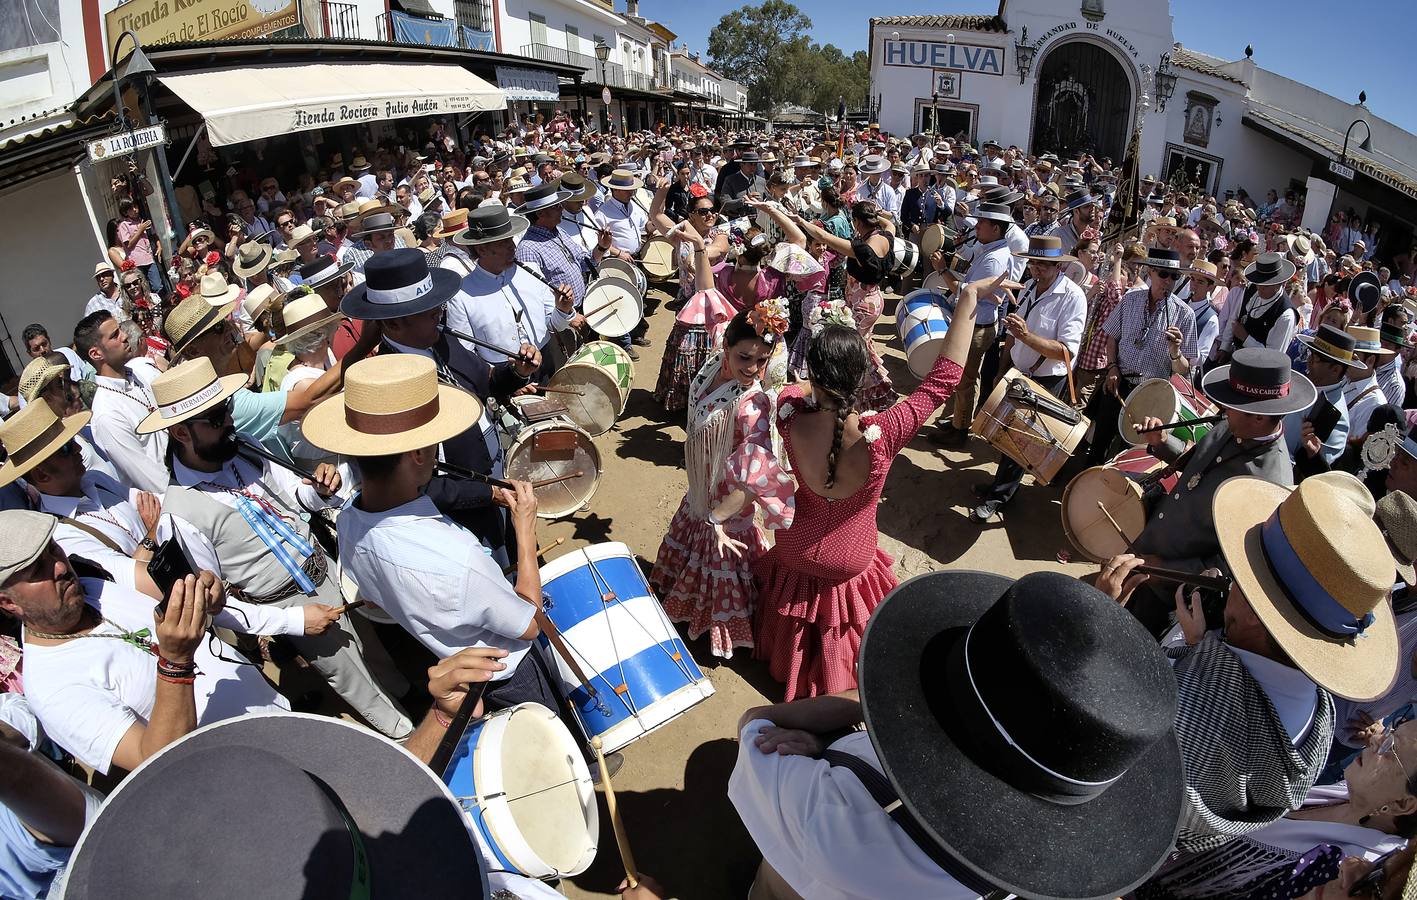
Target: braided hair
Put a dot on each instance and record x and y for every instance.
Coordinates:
(836, 364)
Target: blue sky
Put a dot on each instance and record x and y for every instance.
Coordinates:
(1298, 39)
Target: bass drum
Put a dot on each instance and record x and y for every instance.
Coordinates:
(657, 256)
(592, 395)
(553, 448)
(627, 270)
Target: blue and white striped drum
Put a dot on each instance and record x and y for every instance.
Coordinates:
(921, 320)
(521, 779)
(614, 627)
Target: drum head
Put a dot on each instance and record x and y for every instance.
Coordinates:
(612, 306)
(657, 256)
(628, 270)
(1153, 397)
(596, 404)
(931, 239)
(612, 358)
(1085, 524)
(936, 282)
(548, 789)
(551, 449)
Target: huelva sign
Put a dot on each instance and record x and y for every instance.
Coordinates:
(171, 21)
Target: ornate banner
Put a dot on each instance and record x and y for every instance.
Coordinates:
(169, 21)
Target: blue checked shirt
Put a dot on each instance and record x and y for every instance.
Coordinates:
(1142, 348)
(560, 260)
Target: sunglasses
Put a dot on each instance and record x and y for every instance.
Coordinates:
(217, 415)
(69, 449)
(703, 211)
(1169, 276)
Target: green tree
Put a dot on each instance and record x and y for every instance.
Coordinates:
(756, 45)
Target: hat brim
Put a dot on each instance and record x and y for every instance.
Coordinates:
(342, 270)
(867, 169)
(1064, 258)
(516, 225)
(154, 421)
(1216, 386)
(445, 235)
(356, 303)
(1308, 341)
(638, 183)
(1286, 272)
(1361, 670)
(71, 425)
(326, 428)
(306, 329)
(550, 200)
(1102, 848)
(232, 292)
(409, 820)
(991, 216)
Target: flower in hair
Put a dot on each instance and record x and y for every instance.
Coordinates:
(1220, 243)
(830, 312)
(769, 319)
(1089, 234)
(212, 258)
(872, 433)
(127, 265)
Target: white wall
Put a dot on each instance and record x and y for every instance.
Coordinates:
(47, 255)
(43, 76)
(590, 18)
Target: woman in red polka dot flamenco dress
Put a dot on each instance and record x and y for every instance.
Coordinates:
(703, 574)
(825, 574)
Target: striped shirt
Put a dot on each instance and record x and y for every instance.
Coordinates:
(1142, 348)
(560, 260)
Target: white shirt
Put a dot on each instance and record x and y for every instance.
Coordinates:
(1058, 314)
(818, 826)
(89, 691)
(368, 185)
(435, 578)
(583, 228)
(506, 309)
(1205, 338)
(110, 508)
(884, 195)
(118, 406)
(1294, 695)
(111, 305)
(1280, 335)
(626, 222)
(1017, 239)
(1360, 410)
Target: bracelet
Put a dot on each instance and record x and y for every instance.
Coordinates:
(174, 679)
(165, 663)
(713, 518)
(441, 719)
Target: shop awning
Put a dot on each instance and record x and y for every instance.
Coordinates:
(247, 104)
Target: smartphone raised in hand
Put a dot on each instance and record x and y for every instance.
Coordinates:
(168, 566)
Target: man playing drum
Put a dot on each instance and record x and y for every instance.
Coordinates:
(1257, 390)
(1043, 336)
(433, 576)
(1150, 334)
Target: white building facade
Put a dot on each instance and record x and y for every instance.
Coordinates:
(1073, 76)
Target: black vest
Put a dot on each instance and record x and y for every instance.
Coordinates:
(1258, 327)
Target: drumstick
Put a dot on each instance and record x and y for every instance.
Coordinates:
(444, 754)
(1181, 423)
(354, 604)
(559, 390)
(452, 471)
(510, 354)
(553, 635)
(558, 479)
(1214, 582)
(1120, 533)
(601, 308)
(627, 859)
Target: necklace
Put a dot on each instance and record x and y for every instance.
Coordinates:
(142, 638)
(104, 517)
(124, 393)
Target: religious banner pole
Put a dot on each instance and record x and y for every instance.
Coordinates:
(1126, 210)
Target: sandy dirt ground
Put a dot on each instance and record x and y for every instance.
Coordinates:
(672, 790)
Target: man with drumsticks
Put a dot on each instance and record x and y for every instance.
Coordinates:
(1043, 336)
(1256, 391)
(416, 563)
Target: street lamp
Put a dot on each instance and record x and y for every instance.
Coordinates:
(1366, 146)
(1023, 54)
(137, 65)
(1165, 82)
(602, 53)
(935, 117)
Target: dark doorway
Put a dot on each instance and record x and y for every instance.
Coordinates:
(1084, 103)
(952, 122)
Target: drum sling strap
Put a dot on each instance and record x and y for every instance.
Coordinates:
(888, 800)
(1067, 357)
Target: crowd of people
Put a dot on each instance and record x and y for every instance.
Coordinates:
(243, 442)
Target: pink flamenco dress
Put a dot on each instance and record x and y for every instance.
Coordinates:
(825, 574)
(728, 447)
(698, 330)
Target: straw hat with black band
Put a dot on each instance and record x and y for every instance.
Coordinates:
(340, 812)
(580, 188)
(252, 258)
(1316, 570)
(32, 435)
(390, 404)
(191, 319)
(305, 314)
(995, 711)
(359, 163)
(186, 390)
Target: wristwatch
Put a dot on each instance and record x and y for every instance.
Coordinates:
(148, 544)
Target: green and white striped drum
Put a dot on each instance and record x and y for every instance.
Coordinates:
(615, 359)
(1170, 400)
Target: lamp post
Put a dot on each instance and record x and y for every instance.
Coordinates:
(935, 118)
(1023, 54)
(602, 53)
(138, 66)
(1165, 82)
(1366, 146)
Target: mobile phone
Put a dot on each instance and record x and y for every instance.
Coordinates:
(168, 565)
(1325, 416)
(1372, 883)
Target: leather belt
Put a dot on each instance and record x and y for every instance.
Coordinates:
(315, 566)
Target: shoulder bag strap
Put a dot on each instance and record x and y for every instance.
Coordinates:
(94, 532)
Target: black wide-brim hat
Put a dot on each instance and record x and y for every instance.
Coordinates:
(994, 831)
(1260, 381)
(186, 823)
(399, 283)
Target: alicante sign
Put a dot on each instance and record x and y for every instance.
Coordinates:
(979, 58)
